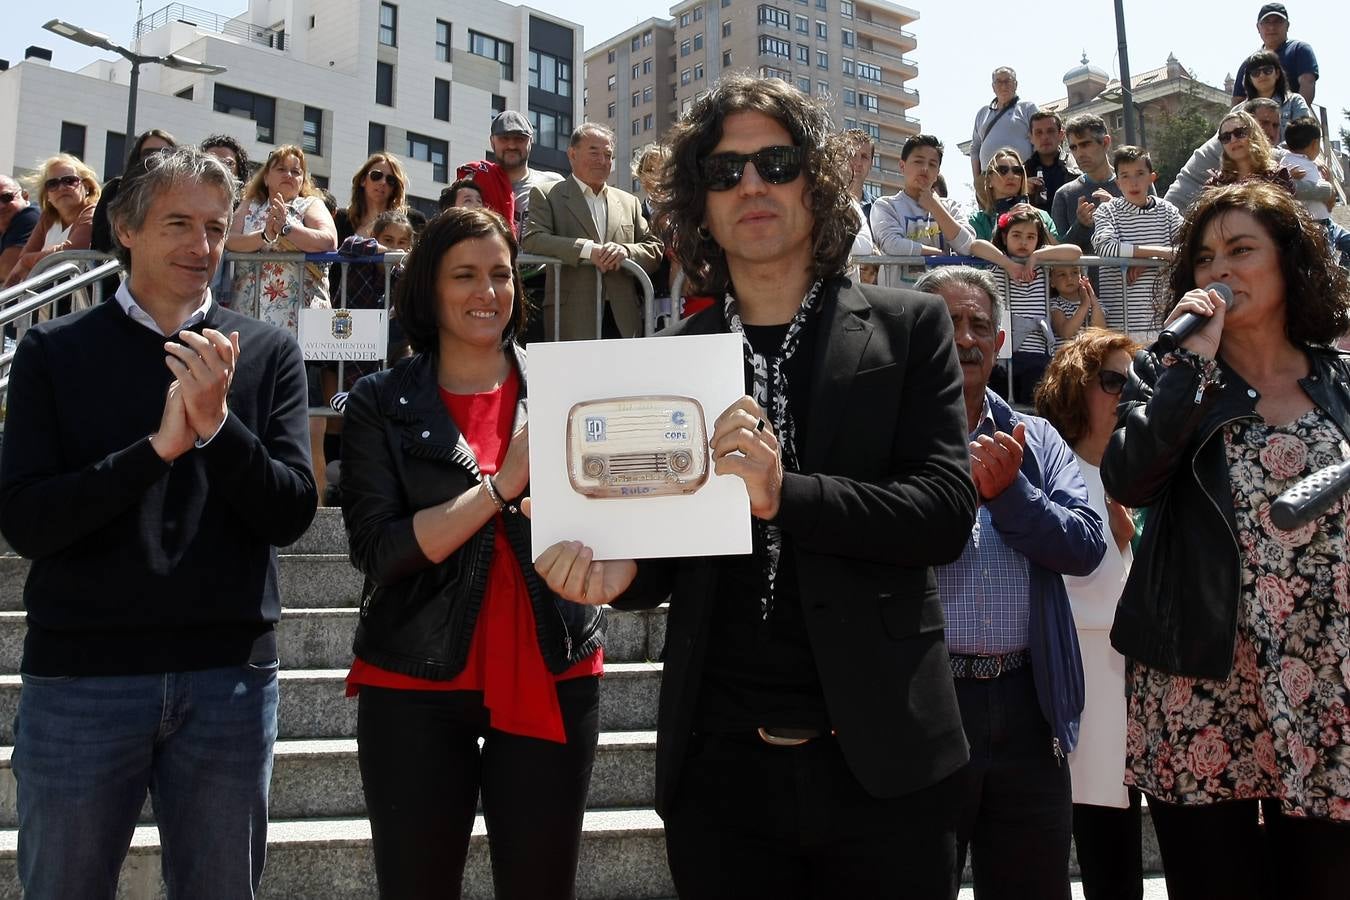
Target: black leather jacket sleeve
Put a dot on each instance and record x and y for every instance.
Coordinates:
(379, 524)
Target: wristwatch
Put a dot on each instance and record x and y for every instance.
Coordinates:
(285, 229)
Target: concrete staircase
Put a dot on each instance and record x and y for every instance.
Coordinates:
(319, 838)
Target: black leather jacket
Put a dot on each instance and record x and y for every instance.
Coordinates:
(1179, 611)
(402, 453)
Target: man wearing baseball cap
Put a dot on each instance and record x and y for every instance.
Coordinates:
(1296, 57)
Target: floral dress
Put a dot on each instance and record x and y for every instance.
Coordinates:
(1279, 726)
(277, 286)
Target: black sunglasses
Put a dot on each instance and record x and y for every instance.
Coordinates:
(1263, 70)
(7, 197)
(377, 176)
(1005, 169)
(776, 165)
(1226, 137)
(1111, 382)
(67, 180)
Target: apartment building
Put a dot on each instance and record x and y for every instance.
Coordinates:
(421, 79)
(850, 52)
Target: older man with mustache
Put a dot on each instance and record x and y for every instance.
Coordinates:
(1010, 632)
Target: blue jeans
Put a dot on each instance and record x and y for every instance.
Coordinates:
(87, 749)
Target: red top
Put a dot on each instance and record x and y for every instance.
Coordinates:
(504, 659)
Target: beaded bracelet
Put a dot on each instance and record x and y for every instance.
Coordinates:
(493, 493)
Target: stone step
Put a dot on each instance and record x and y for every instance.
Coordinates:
(623, 855)
(322, 638)
(313, 704)
(326, 534)
(313, 581)
(321, 779)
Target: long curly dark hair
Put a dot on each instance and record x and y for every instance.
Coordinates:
(1316, 289)
(678, 194)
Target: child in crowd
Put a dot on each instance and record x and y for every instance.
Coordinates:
(1023, 243)
(1303, 138)
(464, 192)
(1073, 304)
(1135, 225)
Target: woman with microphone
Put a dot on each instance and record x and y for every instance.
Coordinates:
(1238, 632)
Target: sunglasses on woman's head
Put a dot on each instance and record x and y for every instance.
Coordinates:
(1238, 133)
(377, 176)
(1006, 169)
(1111, 382)
(775, 165)
(65, 180)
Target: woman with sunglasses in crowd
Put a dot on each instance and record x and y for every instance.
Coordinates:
(67, 192)
(459, 640)
(1078, 395)
(1237, 630)
(1001, 187)
(1263, 76)
(1247, 154)
(101, 238)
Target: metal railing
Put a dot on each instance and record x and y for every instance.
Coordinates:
(214, 22)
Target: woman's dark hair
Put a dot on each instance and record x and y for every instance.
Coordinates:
(1059, 395)
(679, 196)
(1264, 58)
(133, 165)
(1316, 289)
(1016, 217)
(229, 143)
(417, 299)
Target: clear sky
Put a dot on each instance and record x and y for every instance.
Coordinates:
(960, 42)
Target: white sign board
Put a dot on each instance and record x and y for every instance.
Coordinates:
(619, 455)
(344, 334)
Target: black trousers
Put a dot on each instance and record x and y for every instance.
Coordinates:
(1110, 849)
(1016, 803)
(752, 820)
(1223, 850)
(422, 771)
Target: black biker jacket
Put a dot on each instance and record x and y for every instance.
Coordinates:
(1179, 610)
(401, 453)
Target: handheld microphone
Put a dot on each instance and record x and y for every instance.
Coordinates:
(1311, 497)
(1187, 324)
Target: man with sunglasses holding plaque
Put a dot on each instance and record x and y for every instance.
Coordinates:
(808, 728)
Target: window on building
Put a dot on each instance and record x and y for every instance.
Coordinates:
(551, 129)
(850, 97)
(384, 84)
(772, 15)
(872, 128)
(846, 37)
(637, 99)
(726, 28)
(686, 104)
(647, 94)
(636, 43)
(803, 54)
(185, 93)
(868, 102)
(442, 102)
(637, 127)
(442, 40)
(871, 191)
(503, 52)
(804, 85)
(374, 138)
(612, 80)
(698, 11)
(803, 24)
(432, 150)
(698, 71)
(648, 121)
(726, 3)
(822, 59)
(389, 24)
(684, 20)
(646, 38)
(686, 76)
(771, 46)
(726, 60)
(637, 72)
(846, 66)
(822, 4)
(822, 89)
(114, 154)
(246, 104)
(549, 73)
(822, 30)
(684, 48)
(312, 141)
(698, 41)
(869, 72)
(647, 66)
(846, 8)
(610, 57)
(609, 111)
(498, 105)
(850, 123)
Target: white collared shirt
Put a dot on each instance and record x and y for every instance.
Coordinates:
(138, 315)
(599, 206)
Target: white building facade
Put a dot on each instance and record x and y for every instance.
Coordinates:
(421, 79)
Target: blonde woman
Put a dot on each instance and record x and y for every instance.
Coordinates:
(67, 193)
(1247, 153)
(1001, 186)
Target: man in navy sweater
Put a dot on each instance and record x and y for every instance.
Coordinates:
(156, 450)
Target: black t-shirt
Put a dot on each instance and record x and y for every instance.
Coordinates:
(20, 228)
(762, 672)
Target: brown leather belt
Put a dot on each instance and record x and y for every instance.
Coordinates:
(789, 737)
(987, 668)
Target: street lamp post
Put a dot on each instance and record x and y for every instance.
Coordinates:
(103, 42)
(1127, 94)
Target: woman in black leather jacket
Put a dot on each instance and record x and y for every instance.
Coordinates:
(1238, 631)
(459, 641)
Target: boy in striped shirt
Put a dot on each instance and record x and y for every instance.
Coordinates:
(1134, 225)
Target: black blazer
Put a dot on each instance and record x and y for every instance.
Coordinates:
(884, 494)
